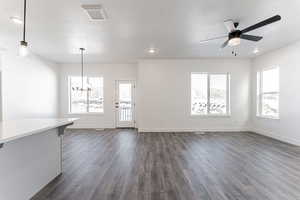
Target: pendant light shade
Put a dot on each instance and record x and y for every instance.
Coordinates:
(84, 85)
(23, 51)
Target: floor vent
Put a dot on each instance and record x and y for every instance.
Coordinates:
(95, 12)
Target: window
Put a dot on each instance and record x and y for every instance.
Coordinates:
(87, 101)
(209, 94)
(268, 93)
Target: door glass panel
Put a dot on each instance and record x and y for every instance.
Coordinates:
(125, 102)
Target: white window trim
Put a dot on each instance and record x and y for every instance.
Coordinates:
(260, 95)
(209, 115)
(267, 117)
(87, 111)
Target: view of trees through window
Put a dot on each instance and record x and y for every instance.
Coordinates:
(86, 100)
(209, 94)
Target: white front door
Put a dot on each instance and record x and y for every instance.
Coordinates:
(125, 104)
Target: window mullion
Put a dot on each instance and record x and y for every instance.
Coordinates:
(227, 93)
(208, 93)
(70, 94)
(270, 92)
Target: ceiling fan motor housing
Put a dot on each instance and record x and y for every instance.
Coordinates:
(235, 34)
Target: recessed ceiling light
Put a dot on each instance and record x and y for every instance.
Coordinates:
(152, 50)
(256, 51)
(16, 20)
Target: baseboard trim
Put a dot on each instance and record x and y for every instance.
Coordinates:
(271, 134)
(87, 128)
(166, 130)
(276, 136)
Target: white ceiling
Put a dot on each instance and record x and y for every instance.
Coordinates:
(57, 28)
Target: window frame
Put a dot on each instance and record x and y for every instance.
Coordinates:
(260, 93)
(228, 105)
(87, 97)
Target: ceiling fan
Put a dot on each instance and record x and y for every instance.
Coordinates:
(235, 35)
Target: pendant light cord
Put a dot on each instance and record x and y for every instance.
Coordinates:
(24, 25)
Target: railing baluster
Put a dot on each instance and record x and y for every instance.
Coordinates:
(125, 113)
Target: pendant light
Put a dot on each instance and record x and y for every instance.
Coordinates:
(82, 88)
(23, 51)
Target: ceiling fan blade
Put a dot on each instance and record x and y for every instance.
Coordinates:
(262, 23)
(229, 24)
(225, 44)
(211, 39)
(251, 37)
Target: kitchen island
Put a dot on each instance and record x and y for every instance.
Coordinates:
(30, 155)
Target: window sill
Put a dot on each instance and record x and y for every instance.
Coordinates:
(211, 116)
(267, 117)
(90, 113)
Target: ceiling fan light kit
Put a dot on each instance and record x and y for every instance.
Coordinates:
(234, 42)
(234, 35)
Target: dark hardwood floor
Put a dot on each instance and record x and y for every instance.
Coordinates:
(124, 165)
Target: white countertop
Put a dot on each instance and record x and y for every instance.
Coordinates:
(15, 129)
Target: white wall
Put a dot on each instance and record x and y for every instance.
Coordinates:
(164, 95)
(29, 87)
(287, 128)
(111, 73)
(1, 114)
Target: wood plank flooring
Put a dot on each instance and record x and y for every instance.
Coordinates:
(124, 165)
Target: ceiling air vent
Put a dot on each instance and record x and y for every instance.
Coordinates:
(95, 12)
